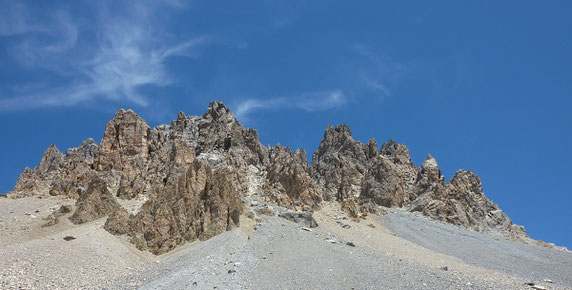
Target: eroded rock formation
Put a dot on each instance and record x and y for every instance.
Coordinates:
(340, 163)
(287, 180)
(123, 152)
(361, 178)
(200, 203)
(94, 203)
(186, 179)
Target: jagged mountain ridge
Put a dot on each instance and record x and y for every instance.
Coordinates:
(193, 172)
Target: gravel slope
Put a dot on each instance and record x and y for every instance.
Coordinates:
(33, 257)
(536, 263)
(281, 254)
(271, 252)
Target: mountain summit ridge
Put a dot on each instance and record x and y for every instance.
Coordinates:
(189, 177)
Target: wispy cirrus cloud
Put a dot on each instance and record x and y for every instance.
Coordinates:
(310, 102)
(378, 72)
(108, 54)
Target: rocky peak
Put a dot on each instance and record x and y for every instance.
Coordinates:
(195, 169)
(52, 160)
(85, 152)
(337, 139)
(371, 148)
(218, 112)
(466, 181)
(287, 180)
(398, 153)
(123, 152)
(430, 172)
(339, 163)
(430, 163)
(125, 137)
(390, 178)
(220, 133)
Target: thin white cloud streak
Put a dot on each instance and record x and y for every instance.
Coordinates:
(377, 86)
(129, 51)
(379, 71)
(310, 102)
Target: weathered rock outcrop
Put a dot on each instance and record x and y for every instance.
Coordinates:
(199, 204)
(360, 178)
(339, 164)
(303, 218)
(122, 153)
(462, 202)
(94, 203)
(187, 178)
(77, 170)
(39, 179)
(60, 174)
(390, 177)
(288, 183)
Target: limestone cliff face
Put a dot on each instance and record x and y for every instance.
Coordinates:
(182, 181)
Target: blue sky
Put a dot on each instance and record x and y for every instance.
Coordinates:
(481, 85)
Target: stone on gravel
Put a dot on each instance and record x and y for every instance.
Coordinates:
(303, 218)
(69, 238)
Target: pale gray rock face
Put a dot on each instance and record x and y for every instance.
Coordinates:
(397, 153)
(84, 153)
(221, 135)
(77, 171)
